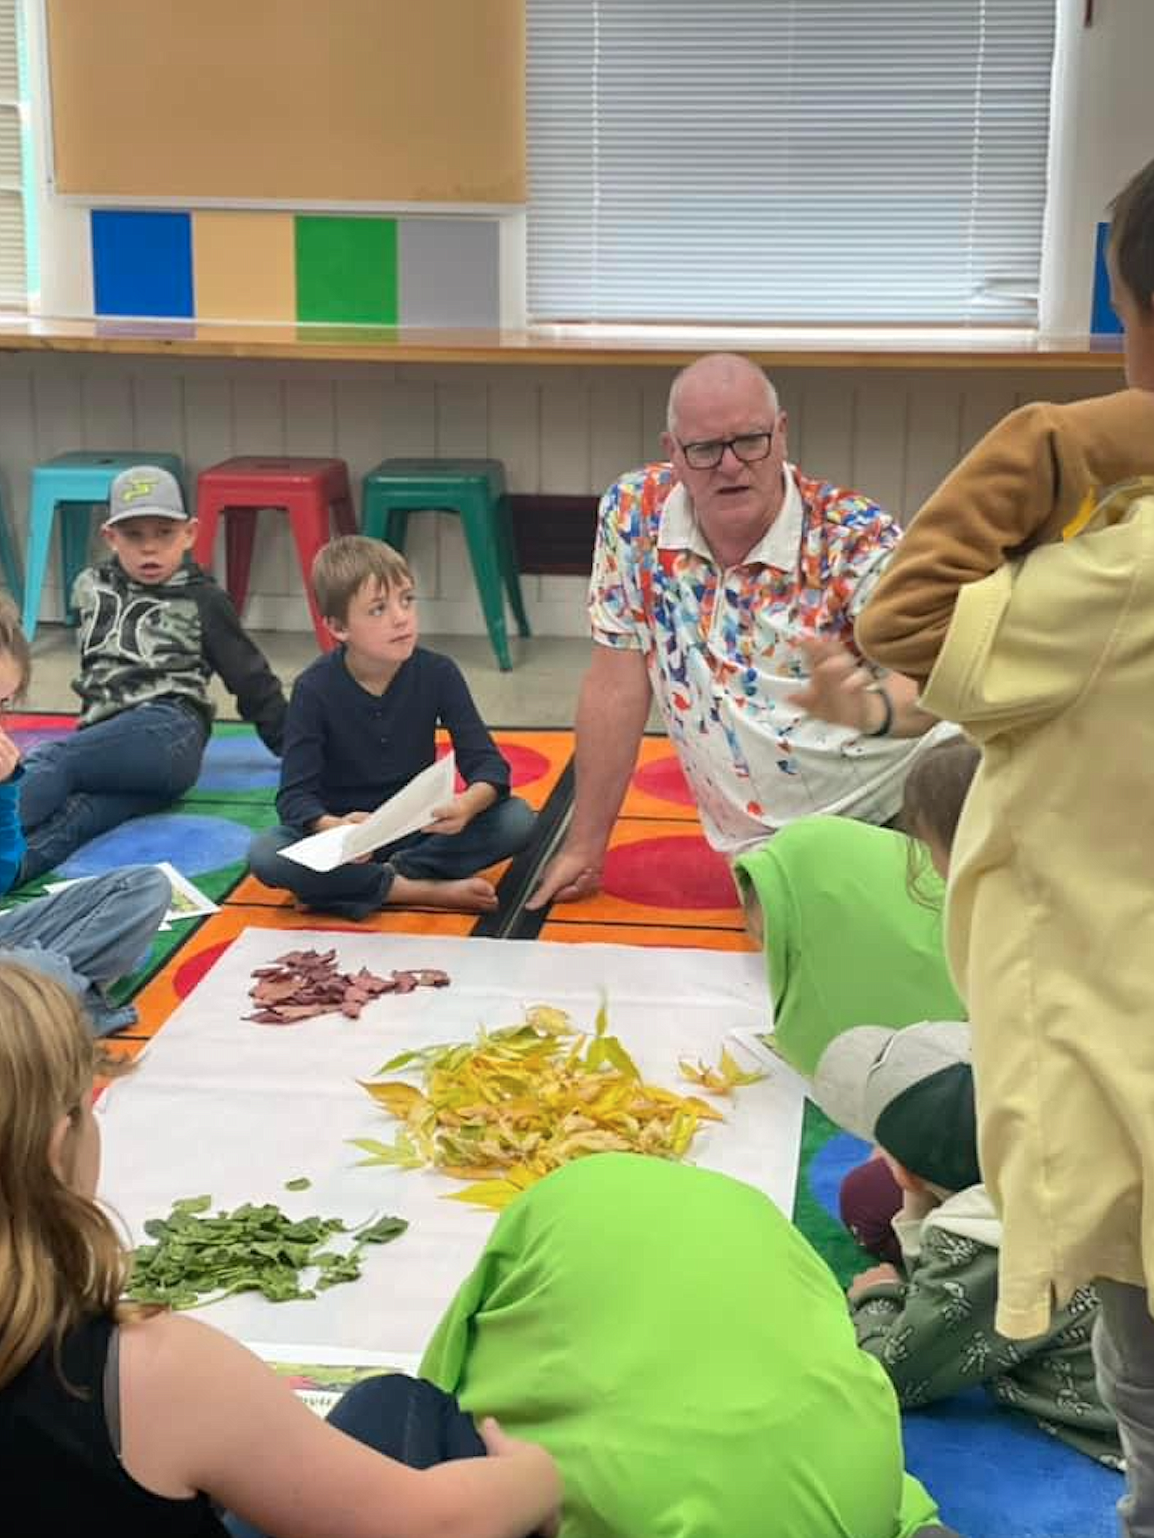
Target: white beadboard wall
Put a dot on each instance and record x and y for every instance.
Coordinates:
(890, 433)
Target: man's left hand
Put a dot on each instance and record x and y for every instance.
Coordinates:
(836, 690)
(876, 1276)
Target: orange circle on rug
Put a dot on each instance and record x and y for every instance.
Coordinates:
(190, 972)
(663, 779)
(670, 872)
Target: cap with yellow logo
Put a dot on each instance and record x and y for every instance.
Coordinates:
(145, 491)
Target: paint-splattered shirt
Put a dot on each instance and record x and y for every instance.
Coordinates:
(723, 649)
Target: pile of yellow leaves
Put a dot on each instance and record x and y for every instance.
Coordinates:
(504, 1110)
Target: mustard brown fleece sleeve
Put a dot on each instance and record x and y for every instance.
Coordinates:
(1016, 489)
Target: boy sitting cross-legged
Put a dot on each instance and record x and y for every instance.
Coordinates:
(361, 724)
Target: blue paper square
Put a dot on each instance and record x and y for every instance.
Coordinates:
(142, 262)
(1103, 321)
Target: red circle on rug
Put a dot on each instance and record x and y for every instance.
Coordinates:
(663, 778)
(525, 764)
(190, 972)
(678, 871)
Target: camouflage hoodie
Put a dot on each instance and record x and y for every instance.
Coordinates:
(935, 1333)
(142, 642)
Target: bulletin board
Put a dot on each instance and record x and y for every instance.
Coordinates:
(289, 101)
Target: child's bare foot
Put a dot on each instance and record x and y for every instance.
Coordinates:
(473, 894)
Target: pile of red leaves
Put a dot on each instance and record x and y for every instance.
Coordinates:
(302, 984)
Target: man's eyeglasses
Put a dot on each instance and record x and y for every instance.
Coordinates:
(749, 448)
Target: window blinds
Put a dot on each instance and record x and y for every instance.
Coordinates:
(13, 283)
(766, 161)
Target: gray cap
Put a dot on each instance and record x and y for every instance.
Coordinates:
(145, 491)
(909, 1090)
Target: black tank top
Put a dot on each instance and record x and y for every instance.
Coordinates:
(58, 1462)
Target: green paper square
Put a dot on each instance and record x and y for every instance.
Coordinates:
(346, 270)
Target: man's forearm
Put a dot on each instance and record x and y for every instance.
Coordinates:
(611, 714)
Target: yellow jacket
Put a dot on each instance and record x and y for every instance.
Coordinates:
(1049, 664)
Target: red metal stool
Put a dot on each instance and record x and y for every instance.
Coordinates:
(311, 491)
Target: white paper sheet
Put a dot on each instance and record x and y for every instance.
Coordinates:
(223, 1106)
(410, 810)
(188, 901)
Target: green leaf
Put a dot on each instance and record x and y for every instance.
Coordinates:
(382, 1230)
(301, 1183)
(401, 1154)
(198, 1259)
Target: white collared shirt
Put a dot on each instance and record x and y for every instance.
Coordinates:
(723, 651)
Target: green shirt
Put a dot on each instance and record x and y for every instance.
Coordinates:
(846, 942)
(685, 1356)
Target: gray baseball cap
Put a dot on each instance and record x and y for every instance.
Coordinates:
(145, 491)
(911, 1091)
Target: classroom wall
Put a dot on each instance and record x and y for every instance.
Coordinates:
(891, 433)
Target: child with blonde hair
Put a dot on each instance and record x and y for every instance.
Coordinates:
(134, 1421)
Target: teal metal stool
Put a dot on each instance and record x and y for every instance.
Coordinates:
(475, 490)
(73, 484)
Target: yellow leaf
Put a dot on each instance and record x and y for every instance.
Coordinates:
(735, 1075)
(544, 1017)
(494, 1194)
(400, 1099)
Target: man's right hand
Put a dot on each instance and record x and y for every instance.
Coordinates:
(569, 876)
(9, 757)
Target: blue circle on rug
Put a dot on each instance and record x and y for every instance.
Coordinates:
(830, 1165)
(238, 763)
(1029, 1484)
(193, 844)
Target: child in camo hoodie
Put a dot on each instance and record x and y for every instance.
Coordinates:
(911, 1092)
(154, 628)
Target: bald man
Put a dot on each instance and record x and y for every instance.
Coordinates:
(725, 584)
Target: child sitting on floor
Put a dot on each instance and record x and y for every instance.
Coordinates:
(931, 1323)
(685, 1355)
(362, 722)
(94, 931)
(154, 628)
(848, 935)
(132, 1421)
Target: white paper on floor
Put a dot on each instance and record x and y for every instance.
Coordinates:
(225, 1107)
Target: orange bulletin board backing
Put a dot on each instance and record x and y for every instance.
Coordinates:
(349, 101)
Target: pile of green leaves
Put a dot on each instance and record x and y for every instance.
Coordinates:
(198, 1260)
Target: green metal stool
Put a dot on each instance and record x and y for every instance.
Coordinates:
(475, 490)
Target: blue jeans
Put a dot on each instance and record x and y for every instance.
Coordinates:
(404, 1418)
(136, 762)
(355, 891)
(90, 934)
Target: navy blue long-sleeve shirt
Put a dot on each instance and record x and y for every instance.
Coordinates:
(347, 750)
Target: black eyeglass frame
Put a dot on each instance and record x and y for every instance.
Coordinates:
(721, 444)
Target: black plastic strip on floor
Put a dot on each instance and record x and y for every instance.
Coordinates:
(510, 920)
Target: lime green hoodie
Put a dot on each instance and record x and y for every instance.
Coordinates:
(685, 1356)
(846, 942)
